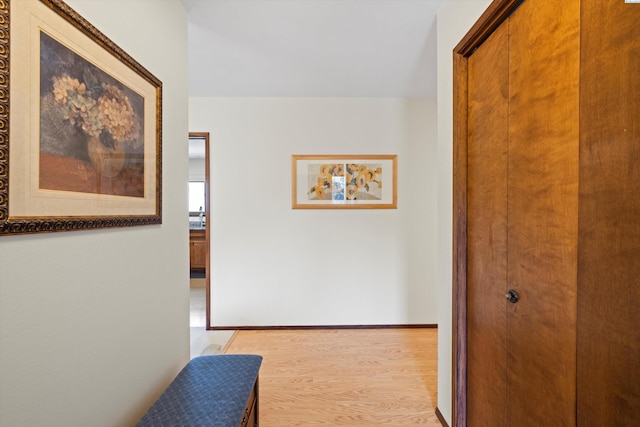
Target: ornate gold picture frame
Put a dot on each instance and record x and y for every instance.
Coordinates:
(80, 125)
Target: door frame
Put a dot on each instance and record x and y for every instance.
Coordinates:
(497, 12)
(207, 231)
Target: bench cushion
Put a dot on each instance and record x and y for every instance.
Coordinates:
(209, 391)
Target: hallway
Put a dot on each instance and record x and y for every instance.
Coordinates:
(203, 342)
(345, 377)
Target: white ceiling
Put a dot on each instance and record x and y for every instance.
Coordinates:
(312, 48)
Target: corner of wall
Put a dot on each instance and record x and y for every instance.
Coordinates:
(455, 18)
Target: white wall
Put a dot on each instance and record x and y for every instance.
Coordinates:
(455, 18)
(93, 324)
(274, 266)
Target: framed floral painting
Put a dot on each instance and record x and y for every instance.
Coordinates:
(80, 140)
(350, 181)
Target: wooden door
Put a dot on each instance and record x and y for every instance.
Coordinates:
(609, 273)
(522, 219)
(488, 75)
(544, 61)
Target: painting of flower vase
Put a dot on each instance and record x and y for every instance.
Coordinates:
(91, 126)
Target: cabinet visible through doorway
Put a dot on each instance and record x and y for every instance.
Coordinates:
(197, 249)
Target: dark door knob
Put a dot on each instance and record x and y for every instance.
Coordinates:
(512, 296)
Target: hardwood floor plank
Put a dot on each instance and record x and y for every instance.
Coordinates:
(356, 377)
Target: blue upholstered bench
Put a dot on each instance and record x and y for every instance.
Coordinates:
(215, 391)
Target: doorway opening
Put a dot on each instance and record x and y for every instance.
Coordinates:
(199, 229)
(205, 340)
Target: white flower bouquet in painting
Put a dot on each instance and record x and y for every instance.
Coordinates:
(104, 113)
(92, 122)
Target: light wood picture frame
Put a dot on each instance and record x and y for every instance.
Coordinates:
(80, 125)
(339, 181)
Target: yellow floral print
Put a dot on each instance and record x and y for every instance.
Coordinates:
(358, 178)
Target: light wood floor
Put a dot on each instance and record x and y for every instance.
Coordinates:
(357, 377)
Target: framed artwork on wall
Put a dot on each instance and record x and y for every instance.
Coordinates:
(80, 126)
(352, 181)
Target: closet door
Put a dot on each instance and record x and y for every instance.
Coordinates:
(544, 63)
(522, 219)
(608, 312)
(487, 230)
